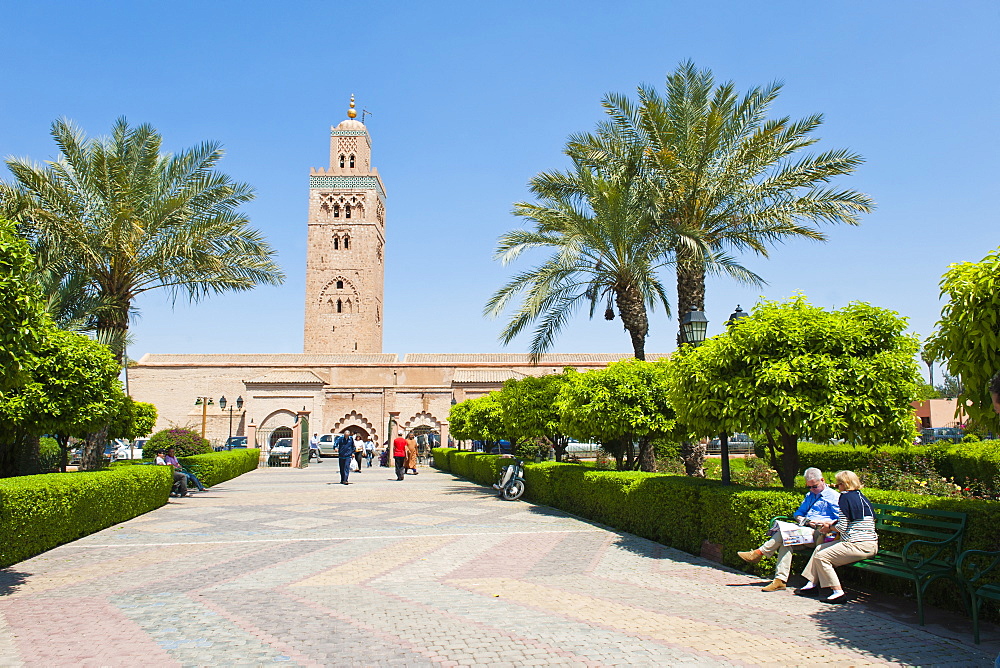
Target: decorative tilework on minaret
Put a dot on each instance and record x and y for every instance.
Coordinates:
(345, 247)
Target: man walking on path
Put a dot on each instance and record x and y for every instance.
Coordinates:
(345, 453)
(399, 454)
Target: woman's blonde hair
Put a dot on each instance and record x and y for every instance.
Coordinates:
(849, 479)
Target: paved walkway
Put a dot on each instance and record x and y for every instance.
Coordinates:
(281, 566)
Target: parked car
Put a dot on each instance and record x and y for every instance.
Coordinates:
(737, 443)
(582, 450)
(501, 448)
(234, 443)
(935, 434)
(327, 446)
(126, 450)
(281, 452)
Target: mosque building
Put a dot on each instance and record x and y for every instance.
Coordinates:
(342, 379)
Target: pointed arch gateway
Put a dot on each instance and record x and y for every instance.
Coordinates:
(355, 423)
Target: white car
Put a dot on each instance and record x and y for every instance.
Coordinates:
(281, 452)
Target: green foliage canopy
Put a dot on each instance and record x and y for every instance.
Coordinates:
(792, 370)
(529, 411)
(479, 419)
(134, 419)
(968, 334)
(21, 314)
(627, 401)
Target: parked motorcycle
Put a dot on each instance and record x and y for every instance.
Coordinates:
(510, 486)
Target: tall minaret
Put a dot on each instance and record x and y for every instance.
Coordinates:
(345, 247)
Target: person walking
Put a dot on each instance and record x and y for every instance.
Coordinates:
(359, 450)
(411, 455)
(369, 450)
(314, 448)
(345, 453)
(399, 455)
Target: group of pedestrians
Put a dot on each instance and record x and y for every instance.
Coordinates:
(353, 450)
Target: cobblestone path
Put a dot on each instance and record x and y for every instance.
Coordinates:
(283, 566)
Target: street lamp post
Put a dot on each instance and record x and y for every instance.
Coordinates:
(694, 328)
(239, 406)
(734, 318)
(204, 402)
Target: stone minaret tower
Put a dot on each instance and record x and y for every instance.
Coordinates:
(346, 246)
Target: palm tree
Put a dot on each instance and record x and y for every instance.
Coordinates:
(724, 174)
(114, 217)
(604, 253)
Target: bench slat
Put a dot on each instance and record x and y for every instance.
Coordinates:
(919, 521)
(922, 511)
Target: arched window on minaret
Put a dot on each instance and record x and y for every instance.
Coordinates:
(336, 211)
(352, 161)
(347, 242)
(341, 160)
(336, 243)
(340, 285)
(340, 306)
(347, 211)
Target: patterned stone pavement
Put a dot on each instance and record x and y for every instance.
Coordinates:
(285, 567)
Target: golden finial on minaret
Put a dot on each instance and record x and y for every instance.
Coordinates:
(350, 112)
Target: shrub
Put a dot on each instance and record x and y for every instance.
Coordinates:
(212, 468)
(49, 454)
(755, 472)
(440, 458)
(217, 467)
(186, 442)
(39, 512)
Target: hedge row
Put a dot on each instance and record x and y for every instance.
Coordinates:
(39, 512)
(681, 512)
(961, 461)
(213, 468)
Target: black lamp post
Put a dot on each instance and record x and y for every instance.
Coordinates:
(735, 317)
(222, 406)
(694, 327)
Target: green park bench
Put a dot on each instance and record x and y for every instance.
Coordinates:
(972, 568)
(930, 540)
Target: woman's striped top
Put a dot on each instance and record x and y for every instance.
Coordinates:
(856, 520)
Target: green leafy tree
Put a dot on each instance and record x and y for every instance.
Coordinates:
(968, 335)
(72, 389)
(186, 442)
(479, 419)
(528, 407)
(723, 174)
(604, 252)
(134, 420)
(792, 370)
(22, 319)
(623, 404)
(119, 218)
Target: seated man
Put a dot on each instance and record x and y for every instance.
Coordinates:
(172, 460)
(818, 509)
(180, 487)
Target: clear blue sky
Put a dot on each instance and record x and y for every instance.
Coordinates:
(470, 99)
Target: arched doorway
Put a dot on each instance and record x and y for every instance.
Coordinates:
(278, 432)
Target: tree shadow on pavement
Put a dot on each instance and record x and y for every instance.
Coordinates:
(852, 626)
(10, 580)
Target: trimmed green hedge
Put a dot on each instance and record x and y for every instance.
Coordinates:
(961, 461)
(39, 512)
(217, 467)
(214, 467)
(682, 512)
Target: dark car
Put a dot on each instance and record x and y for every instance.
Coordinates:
(501, 448)
(234, 443)
(935, 434)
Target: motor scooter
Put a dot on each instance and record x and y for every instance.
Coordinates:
(510, 486)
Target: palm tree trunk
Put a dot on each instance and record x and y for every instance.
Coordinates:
(633, 313)
(690, 286)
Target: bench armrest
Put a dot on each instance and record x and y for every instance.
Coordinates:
(974, 564)
(918, 553)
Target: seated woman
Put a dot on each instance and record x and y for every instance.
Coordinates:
(857, 540)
